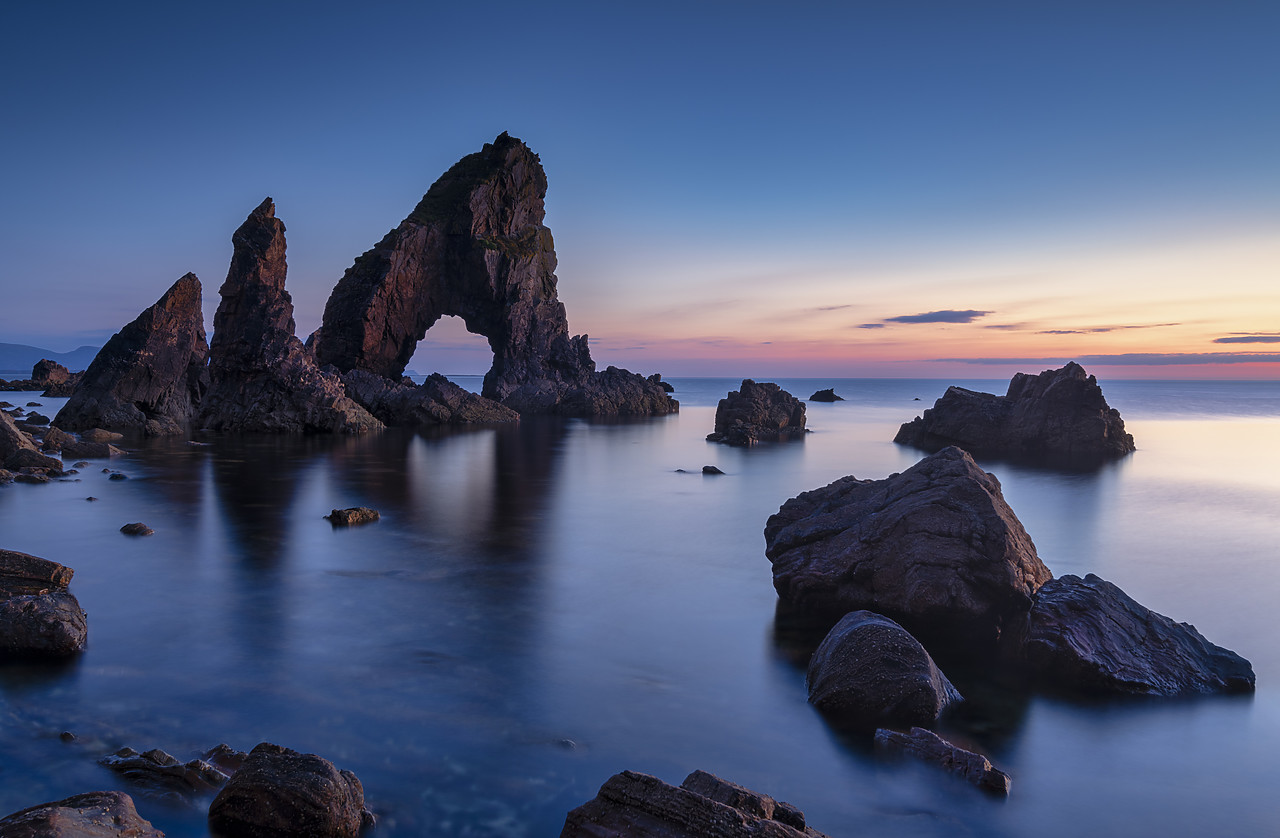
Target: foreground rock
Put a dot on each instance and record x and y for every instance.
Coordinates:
(279, 792)
(1088, 635)
(828, 395)
(160, 775)
(39, 617)
(98, 814)
(634, 805)
(261, 376)
(437, 401)
(869, 671)
(1059, 417)
(476, 247)
(758, 413)
(930, 747)
(13, 441)
(151, 374)
(935, 548)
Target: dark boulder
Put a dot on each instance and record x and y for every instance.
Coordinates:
(635, 805)
(261, 378)
(34, 418)
(930, 747)
(353, 516)
(31, 459)
(47, 373)
(279, 792)
(1088, 635)
(1058, 417)
(12, 439)
(39, 617)
(828, 395)
(476, 247)
(54, 439)
(437, 401)
(869, 671)
(98, 814)
(90, 450)
(151, 371)
(758, 413)
(100, 435)
(935, 548)
(137, 528)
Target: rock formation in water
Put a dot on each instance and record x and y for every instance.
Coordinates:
(437, 401)
(827, 395)
(151, 374)
(929, 747)
(261, 376)
(1088, 635)
(39, 617)
(49, 376)
(869, 671)
(935, 548)
(18, 452)
(476, 247)
(160, 775)
(758, 413)
(97, 814)
(1059, 417)
(634, 805)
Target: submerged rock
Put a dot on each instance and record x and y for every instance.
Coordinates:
(755, 413)
(1059, 417)
(437, 401)
(635, 805)
(97, 814)
(261, 377)
(279, 792)
(151, 372)
(930, 747)
(353, 516)
(828, 395)
(869, 671)
(161, 775)
(935, 548)
(39, 617)
(476, 247)
(1088, 635)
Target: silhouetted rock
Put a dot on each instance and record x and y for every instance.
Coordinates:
(869, 671)
(39, 617)
(437, 401)
(935, 548)
(635, 805)
(1088, 635)
(353, 516)
(279, 792)
(828, 395)
(1059, 417)
(34, 418)
(97, 814)
(160, 775)
(261, 376)
(711, 470)
(151, 374)
(758, 413)
(930, 747)
(476, 247)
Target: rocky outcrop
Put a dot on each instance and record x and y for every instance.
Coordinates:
(869, 671)
(279, 792)
(1058, 417)
(98, 814)
(476, 247)
(353, 516)
(635, 805)
(935, 548)
(39, 617)
(261, 377)
(1088, 635)
(18, 450)
(49, 376)
(929, 747)
(758, 413)
(828, 395)
(151, 374)
(160, 775)
(437, 401)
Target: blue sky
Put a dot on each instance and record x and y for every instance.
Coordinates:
(735, 188)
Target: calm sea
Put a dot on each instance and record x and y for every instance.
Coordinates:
(546, 604)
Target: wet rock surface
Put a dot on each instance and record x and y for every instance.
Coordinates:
(158, 774)
(151, 374)
(869, 671)
(476, 247)
(437, 401)
(137, 528)
(353, 516)
(39, 617)
(755, 413)
(97, 814)
(935, 548)
(929, 747)
(1088, 635)
(1058, 417)
(638, 805)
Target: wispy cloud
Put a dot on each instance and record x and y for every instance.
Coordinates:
(1097, 330)
(1138, 359)
(834, 308)
(870, 326)
(1249, 338)
(945, 316)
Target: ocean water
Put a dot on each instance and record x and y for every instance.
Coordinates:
(544, 605)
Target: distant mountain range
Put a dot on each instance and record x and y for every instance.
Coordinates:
(17, 357)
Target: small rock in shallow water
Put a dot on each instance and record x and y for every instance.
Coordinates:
(711, 470)
(928, 746)
(137, 528)
(351, 517)
(118, 475)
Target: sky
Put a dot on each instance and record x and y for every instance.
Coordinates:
(853, 189)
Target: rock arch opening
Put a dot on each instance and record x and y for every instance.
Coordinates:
(448, 347)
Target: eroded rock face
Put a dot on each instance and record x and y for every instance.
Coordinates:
(151, 374)
(437, 401)
(261, 377)
(476, 247)
(635, 805)
(869, 671)
(39, 617)
(279, 792)
(1059, 417)
(754, 413)
(1088, 635)
(98, 814)
(935, 548)
(929, 747)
